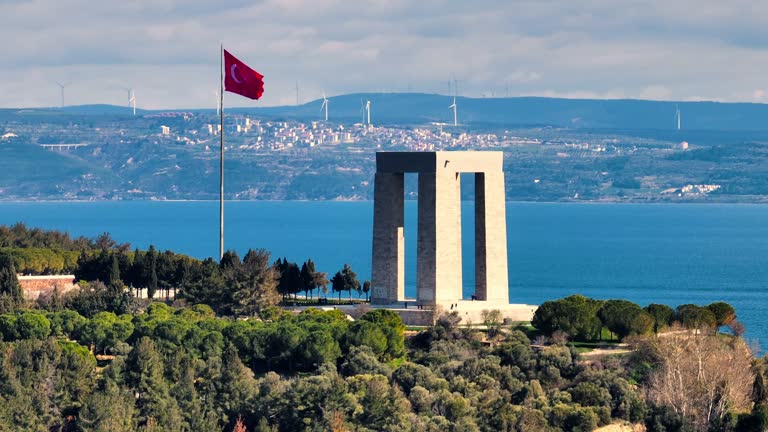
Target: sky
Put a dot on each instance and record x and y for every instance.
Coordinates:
(168, 50)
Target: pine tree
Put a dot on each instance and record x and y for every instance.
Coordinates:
(236, 388)
(152, 288)
(139, 275)
(308, 277)
(152, 283)
(345, 280)
(154, 403)
(9, 282)
(196, 413)
(254, 286)
(206, 285)
(115, 283)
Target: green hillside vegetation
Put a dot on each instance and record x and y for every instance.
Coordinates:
(224, 357)
(47, 173)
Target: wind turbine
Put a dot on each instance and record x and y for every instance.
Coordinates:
(62, 91)
(132, 100)
(325, 105)
(455, 113)
(677, 115)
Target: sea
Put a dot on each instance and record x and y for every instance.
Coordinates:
(647, 253)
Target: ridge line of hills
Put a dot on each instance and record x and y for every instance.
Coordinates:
(418, 108)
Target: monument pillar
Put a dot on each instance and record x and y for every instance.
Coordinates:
(388, 273)
(491, 280)
(426, 240)
(438, 246)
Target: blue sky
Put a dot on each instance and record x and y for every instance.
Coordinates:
(167, 50)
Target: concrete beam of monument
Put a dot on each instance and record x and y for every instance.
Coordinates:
(428, 162)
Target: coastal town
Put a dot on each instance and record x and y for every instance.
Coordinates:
(174, 155)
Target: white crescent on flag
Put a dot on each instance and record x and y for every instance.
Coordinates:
(232, 73)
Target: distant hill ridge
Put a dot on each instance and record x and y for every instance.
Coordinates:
(418, 108)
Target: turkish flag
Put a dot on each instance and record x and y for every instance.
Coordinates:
(241, 79)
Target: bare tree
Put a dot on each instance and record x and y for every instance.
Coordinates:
(701, 377)
(736, 327)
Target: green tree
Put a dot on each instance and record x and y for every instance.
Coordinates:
(206, 285)
(290, 280)
(254, 284)
(367, 289)
(590, 394)
(230, 261)
(345, 280)
(8, 327)
(152, 264)
(308, 277)
(183, 274)
(66, 323)
(319, 347)
(382, 330)
(11, 294)
(105, 330)
(575, 315)
(167, 272)
(695, 317)
(624, 318)
(283, 345)
(115, 283)
(199, 414)
(362, 360)
(662, 315)
(91, 266)
(109, 409)
(153, 401)
(724, 313)
(94, 297)
(321, 282)
(33, 325)
(138, 275)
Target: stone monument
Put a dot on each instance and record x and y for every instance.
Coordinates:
(438, 245)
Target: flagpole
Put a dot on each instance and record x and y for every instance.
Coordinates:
(221, 156)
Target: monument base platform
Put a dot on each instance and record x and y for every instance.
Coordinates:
(471, 312)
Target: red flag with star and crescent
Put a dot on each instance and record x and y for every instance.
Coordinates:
(241, 79)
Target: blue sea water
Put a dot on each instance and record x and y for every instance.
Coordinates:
(646, 253)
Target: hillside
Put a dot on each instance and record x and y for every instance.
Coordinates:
(555, 149)
(413, 108)
(417, 108)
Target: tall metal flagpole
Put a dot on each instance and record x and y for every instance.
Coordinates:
(221, 157)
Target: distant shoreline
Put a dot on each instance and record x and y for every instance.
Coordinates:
(762, 201)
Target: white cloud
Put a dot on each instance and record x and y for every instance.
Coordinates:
(656, 92)
(522, 76)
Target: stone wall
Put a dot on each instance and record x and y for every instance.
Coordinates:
(36, 286)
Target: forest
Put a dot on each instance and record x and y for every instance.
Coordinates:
(224, 356)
